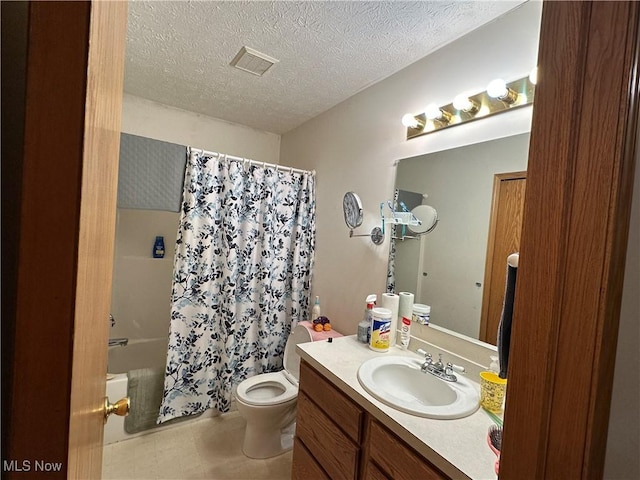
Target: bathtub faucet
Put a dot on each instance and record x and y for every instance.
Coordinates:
(118, 342)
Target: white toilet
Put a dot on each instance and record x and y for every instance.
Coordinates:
(268, 403)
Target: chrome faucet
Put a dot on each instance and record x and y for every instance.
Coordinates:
(439, 369)
(118, 342)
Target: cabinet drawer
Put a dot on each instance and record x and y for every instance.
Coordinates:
(336, 405)
(304, 466)
(331, 448)
(396, 458)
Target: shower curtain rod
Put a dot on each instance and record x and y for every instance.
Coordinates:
(250, 162)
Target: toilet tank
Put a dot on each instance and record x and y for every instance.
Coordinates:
(300, 334)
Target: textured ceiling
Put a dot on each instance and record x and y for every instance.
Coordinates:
(178, 53)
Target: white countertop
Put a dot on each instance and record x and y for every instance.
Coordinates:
(457, 447)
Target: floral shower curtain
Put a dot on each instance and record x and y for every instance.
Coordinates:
(242, 272)
(391, 266)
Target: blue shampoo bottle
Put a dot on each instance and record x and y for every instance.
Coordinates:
(158, 248)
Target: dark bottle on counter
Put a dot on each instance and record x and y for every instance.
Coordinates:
(158, 248)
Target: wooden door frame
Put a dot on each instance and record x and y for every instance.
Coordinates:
(573, 245)
(488, 270)
(570, 275)
(96, 235)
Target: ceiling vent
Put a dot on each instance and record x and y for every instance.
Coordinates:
(252, 61)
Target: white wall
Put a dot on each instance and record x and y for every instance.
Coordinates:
(141, 296)
(161, 122)
(354, 145)
(622, 460)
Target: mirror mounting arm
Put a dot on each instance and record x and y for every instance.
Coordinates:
(376, 235)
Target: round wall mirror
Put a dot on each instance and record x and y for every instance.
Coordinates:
(428, 218)
(352, 208)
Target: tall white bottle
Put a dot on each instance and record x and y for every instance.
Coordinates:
(315, 312)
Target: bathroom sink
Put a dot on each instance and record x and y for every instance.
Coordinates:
(398, 382)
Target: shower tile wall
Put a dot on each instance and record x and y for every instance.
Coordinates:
(142, 284)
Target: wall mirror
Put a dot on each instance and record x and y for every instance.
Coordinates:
(478, 192)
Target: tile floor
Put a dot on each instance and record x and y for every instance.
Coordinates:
(208, 448)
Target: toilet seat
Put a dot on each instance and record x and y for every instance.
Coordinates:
(259, 384)
(280, 387)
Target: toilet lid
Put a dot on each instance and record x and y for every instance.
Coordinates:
(252, 390)
(291, 360)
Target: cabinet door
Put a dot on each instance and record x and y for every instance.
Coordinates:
(396, 459)
(344, 412)
(304, 466)
(330, 447)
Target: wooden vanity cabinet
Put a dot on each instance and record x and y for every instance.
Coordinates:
(336, 439)
(328, 430)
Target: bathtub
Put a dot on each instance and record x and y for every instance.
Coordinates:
(116, 389)
(138, 353)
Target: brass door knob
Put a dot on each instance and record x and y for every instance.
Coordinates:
(120, 408)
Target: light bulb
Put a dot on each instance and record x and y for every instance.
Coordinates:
(438, 115)
(462, 102)
(432, 111)
(409, 121)
(533, 76)
(465, 104)
(497, 88)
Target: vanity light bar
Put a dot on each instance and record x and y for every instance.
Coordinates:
(518, 93)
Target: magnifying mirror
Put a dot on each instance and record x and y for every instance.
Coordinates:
(428, 218)
(352, 208)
